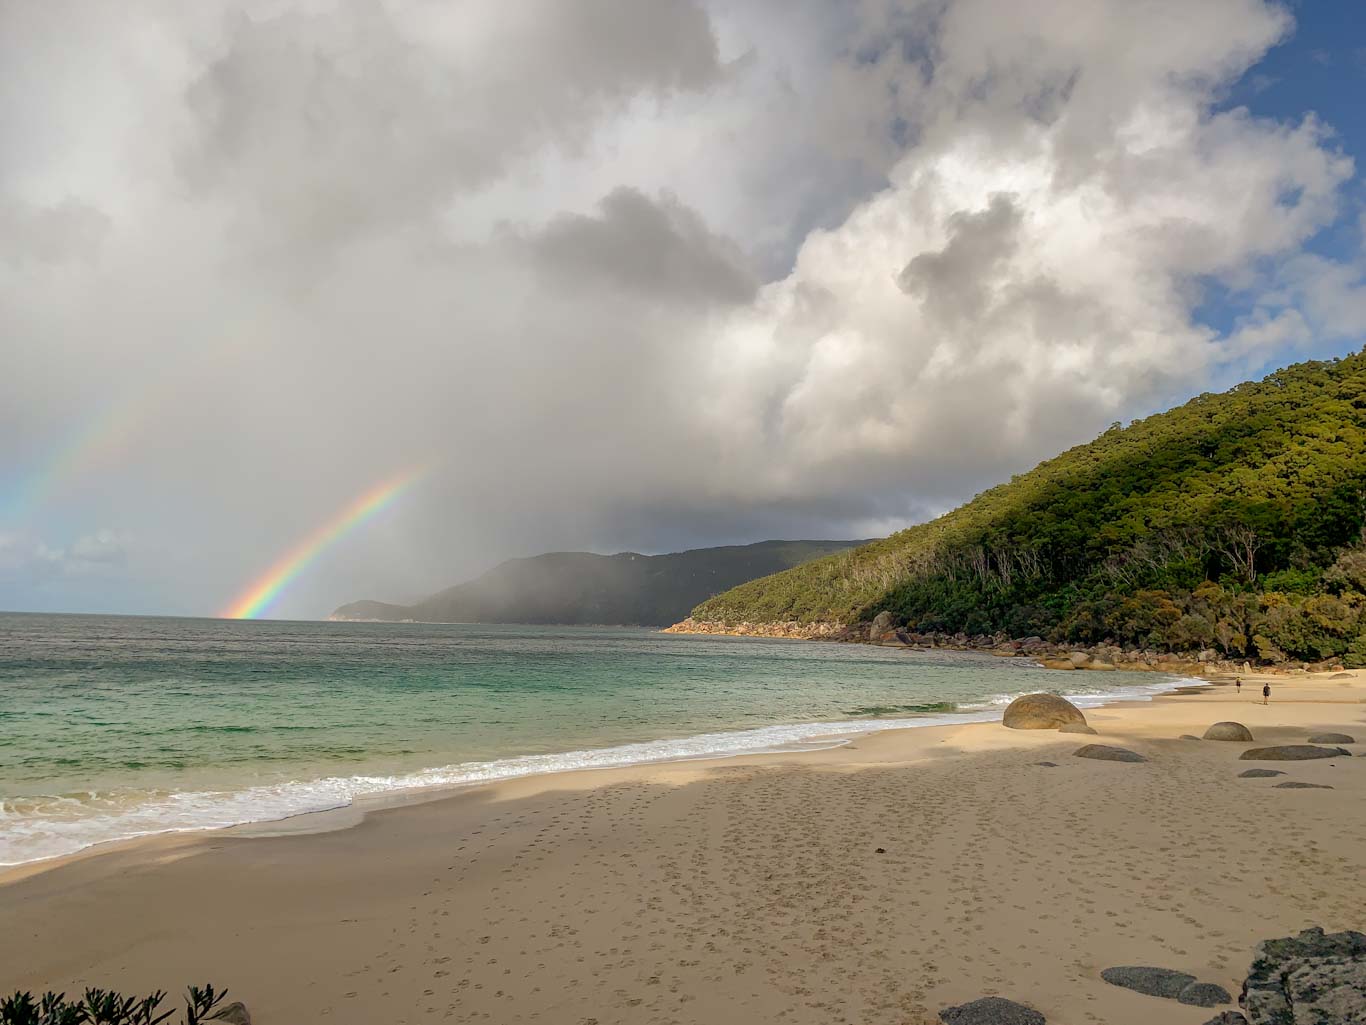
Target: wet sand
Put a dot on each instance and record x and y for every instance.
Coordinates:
(750, 889)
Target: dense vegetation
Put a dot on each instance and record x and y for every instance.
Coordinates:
(1235, 522)
(105, 1007)
(579, 587)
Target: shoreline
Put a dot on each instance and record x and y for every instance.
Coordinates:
(786, 738)
(871, 882)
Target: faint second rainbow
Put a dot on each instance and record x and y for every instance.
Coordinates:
(267, 587)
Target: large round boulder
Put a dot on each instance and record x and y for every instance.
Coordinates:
(1041, 712)
(1228, 731)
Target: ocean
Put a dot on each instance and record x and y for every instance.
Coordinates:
(115, 726)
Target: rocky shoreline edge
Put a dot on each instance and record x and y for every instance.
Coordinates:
(882, 631)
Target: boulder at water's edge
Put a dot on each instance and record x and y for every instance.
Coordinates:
(1041, 712)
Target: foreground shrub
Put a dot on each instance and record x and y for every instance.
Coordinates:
(106, 1007)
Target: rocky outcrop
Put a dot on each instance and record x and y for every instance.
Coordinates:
(882, 628)
(1228, 731)
(792, 630)
(1332, 738)
(1227, 1018)
(234, 1014)
(1041, 712)
(1310, 979)
(1259, 773)
(1106, 753)
(1301, 786)
(1292, 753)
(991, 1011)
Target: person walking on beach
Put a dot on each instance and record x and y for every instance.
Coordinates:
(1238, 685)
(1266, 693)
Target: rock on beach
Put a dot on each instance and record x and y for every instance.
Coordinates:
(1106, 753)
(1291, 753)
(1228, 731)
(1041, 712)
(1332, 738)
(991, 1011)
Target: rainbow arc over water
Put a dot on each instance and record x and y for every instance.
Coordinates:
(266, 588)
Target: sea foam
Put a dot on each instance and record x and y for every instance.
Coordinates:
(35, 829)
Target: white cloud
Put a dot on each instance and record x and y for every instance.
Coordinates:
(627, 275)
(25, 558)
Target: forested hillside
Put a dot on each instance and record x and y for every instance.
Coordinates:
(1234, 521)
(580, 587)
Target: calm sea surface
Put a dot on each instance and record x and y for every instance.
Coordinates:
(114, 726)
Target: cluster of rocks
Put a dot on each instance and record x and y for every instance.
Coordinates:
(1050, 712)
(792, 630)
(1165, 982)
(883, 630)
(1320, 745)
(1097, 658)
(1310, 979)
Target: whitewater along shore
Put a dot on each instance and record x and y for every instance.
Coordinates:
(876, 882)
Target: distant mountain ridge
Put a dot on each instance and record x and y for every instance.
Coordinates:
(578, 588)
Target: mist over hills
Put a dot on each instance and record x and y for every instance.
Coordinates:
(571, 588)
(1236, 521)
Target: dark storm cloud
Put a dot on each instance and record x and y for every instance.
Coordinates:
(650, 247)
(322, 125)
(951, 282)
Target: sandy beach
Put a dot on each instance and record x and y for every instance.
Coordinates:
(876, 882)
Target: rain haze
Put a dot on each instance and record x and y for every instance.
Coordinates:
(612, 275)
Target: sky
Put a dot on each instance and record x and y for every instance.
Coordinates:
(624, 274)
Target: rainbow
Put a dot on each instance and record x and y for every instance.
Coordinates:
(98, 440)
(93, 441)
(267, 587)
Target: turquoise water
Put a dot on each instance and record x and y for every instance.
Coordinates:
(116, 726)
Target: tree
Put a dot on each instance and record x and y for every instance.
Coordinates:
(1239, 544)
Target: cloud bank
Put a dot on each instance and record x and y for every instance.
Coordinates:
(624, 275)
